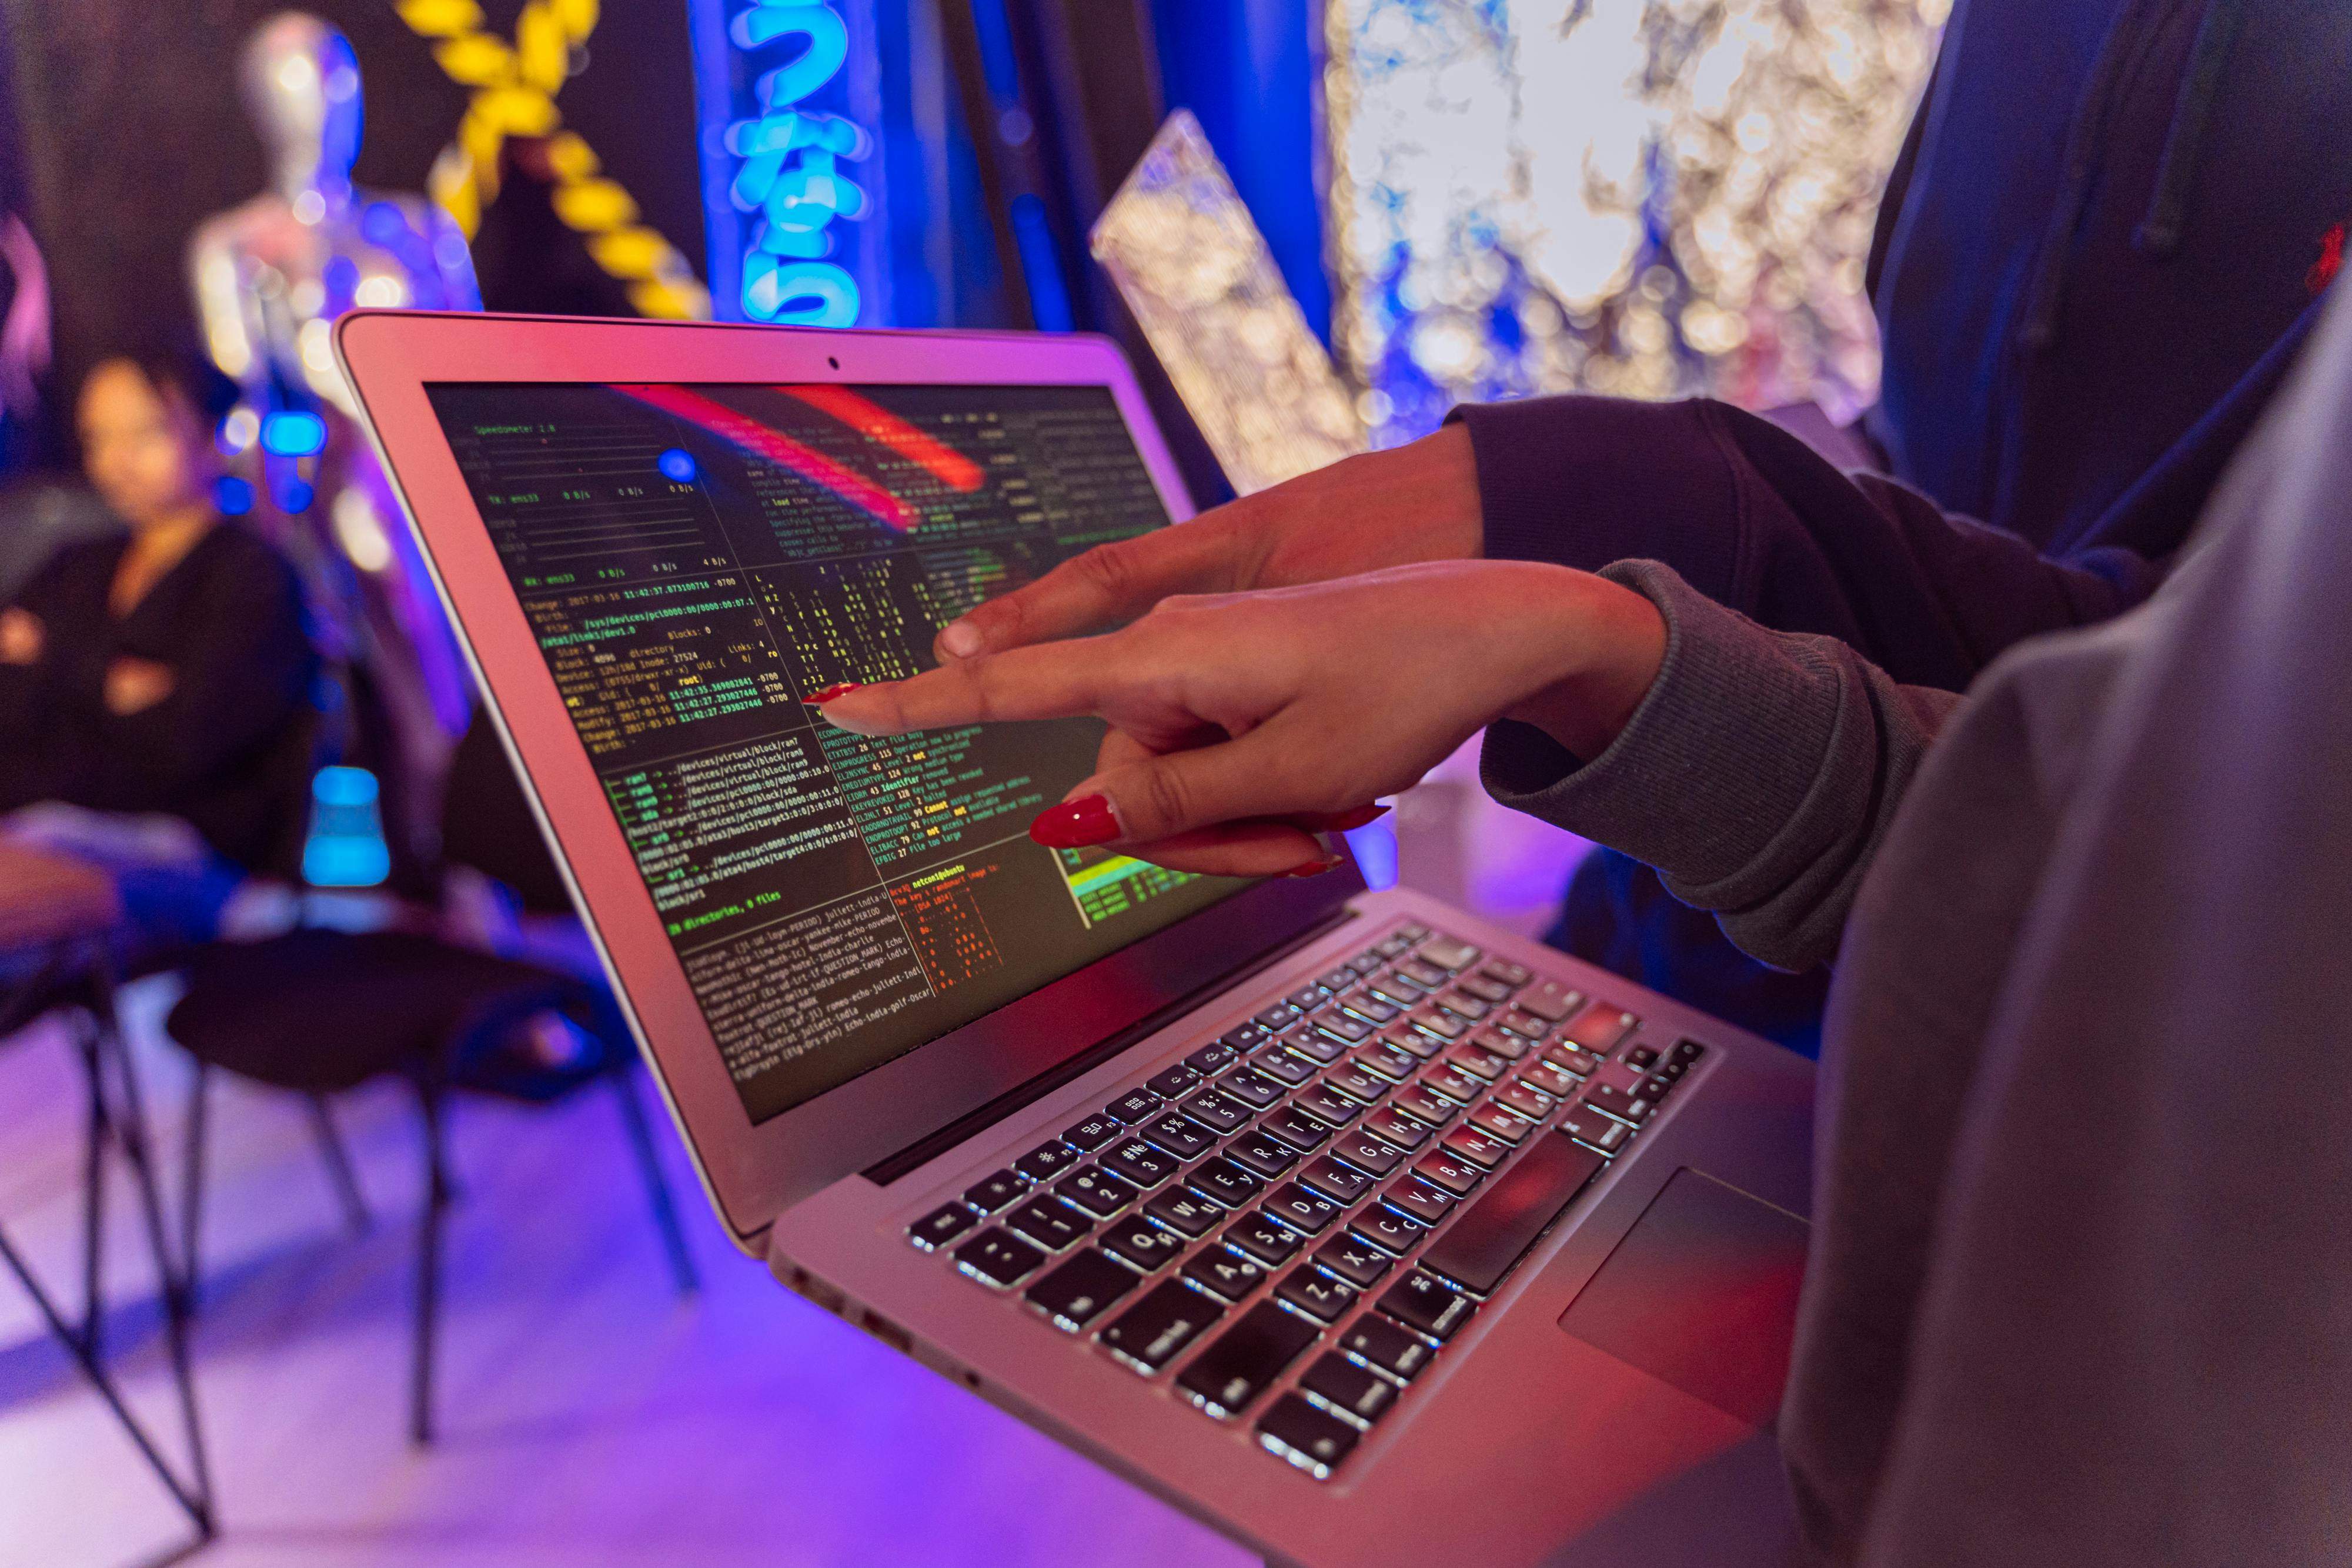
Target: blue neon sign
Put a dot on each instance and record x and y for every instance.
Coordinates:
(773, 154)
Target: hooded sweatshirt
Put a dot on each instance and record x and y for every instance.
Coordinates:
(2100, 250)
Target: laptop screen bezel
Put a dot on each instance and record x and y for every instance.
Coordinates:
(752, 1172)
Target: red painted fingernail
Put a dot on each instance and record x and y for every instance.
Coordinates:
(824, 695)
(1352, 819)
(1313, 868)
(1074, 824)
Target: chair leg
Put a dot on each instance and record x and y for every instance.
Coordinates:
(193, 1138)
(633, 1113)
(428, 1270)
(95, 1132)
(337, 1159)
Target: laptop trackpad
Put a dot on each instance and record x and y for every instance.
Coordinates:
(1702, 1294)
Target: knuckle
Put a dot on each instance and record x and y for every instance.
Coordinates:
(1167, 800)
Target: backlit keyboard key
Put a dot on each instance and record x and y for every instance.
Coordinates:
(1139, 1162)
(1527, 1101)
(1098, 1191)
(1397, 993)
(1046, 1160)
(1075, 1294)
(1265, 1156)
(999, 1189)
(1423, 1202)
(1598, 1028)
(1049, 1222)
(1433, 1020)
(1380, 1343)
(1567, 1059)
(1550, 1000)
(1185, 1212)
(1358, 1263)
(1135, 1105)
(1139, 1241)
(1318, 1295)
(1395, 1127)
(1610, 1099)
(1366, 1153)
(1478, 1063)
(1092, 1133)
(1491, 991)
(1371, 1008)
(1449, 952)
(1468, 1009)
(1556, 1081)
(1453, 1083)
(1263, 1239)
(1598, 1130)
(1431, 1109)
(1337, 980)
(1251, 1088)
(1244, 1359)
(1181, 1135)
(1527, 1025)
(1226, 1182)
(1284, 1067)
(1315, 1046)
(1504, 972)
(1445, 1170)
(1356, 1083)
(998, 1257)
(1213, 1059)
(1341, 1027)
(1326, 1106)
(941, 1226)
(1423, 973)
(1384, 1060)
(1343, 1185)
(1497, 1123)
(1170, 1315)
(1338, 1384)
(1387, 1229)
(1300, 1209)
(1427, 1305)
(1220, 1111)
(1170, 1083)
(1480, 1149)
(1314, 1440)
(1502, 1042)
(1293, 1127)
(1223, 1273)
(1276, 1017)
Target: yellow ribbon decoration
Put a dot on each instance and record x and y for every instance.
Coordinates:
(514, 87)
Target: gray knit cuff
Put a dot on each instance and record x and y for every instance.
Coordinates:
(1718, 759)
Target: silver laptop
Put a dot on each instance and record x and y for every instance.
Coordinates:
(1360, 1230)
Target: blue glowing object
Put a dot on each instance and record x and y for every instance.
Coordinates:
(295, 495)
(232, 497)
(786, 158)
(290, 432)
(676, 463)
(346, 846)
(1374, 845)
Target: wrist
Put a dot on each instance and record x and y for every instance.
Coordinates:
(1598, 651)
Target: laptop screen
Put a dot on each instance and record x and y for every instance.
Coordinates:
(691, 560)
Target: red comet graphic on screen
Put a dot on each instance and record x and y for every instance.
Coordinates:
(875, 422)
(744, 431)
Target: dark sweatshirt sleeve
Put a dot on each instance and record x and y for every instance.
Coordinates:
(235, 684)
(1759, 775)
(1750, 517)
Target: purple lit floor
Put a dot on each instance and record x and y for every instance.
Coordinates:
(589, 1415)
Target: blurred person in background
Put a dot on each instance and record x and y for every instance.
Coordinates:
(156, 687)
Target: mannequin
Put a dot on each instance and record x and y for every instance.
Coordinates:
(271, 277)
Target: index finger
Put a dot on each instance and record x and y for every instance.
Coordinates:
(1053, 680)
(1109, 585)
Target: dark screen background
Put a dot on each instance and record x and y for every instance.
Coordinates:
(693, 561)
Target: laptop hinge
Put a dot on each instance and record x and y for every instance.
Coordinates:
(890, 1167)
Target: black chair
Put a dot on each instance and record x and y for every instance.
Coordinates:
(317, 1012)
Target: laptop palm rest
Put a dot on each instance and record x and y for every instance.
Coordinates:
(1702, 1294)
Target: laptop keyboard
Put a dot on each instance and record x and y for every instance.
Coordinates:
(1298, 1217)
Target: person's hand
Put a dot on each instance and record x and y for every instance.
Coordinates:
(1240, 723)
(1412, 503)
(22, 636)
(135, 685)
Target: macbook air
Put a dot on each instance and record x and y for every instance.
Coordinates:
(1364, 1230)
